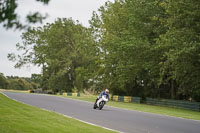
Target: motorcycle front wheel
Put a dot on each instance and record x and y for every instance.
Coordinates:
(101, 104)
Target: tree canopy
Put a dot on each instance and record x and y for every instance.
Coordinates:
(18, 83)
(65, 51)
(146, 48)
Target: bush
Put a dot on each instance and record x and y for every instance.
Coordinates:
(3, 82)
(19, 84)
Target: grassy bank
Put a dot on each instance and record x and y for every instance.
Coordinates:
(16, 117)
(24, 91)
(176, 112)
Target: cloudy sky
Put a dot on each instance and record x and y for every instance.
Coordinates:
(77, 9)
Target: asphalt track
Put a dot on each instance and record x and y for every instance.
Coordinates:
(114, 118)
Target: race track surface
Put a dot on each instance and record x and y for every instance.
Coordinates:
(118, 119)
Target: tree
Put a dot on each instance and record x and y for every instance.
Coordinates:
(146, 48)
(36, 78)
(181, 46)
(10, 18)
(3, 81)
(64, 49)
(127, 33)
(19, 84)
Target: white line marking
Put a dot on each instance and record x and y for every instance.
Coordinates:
(62, 114)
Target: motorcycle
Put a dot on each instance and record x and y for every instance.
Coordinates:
(101, 102)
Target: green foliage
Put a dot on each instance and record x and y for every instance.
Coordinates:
(65, 51)
(36, 78)
(149, 48)
(18, 83)
(10, 18)
(128, 33)
(181, 46)
(146, 48)
(3, 81)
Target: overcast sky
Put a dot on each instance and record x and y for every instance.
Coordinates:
(77, 9)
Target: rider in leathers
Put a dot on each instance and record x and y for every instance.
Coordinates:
(106, 92)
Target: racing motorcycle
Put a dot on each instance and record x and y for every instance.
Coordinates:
(101, 102)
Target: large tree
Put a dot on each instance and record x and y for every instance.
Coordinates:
(65, 51)
(181, 48)
(127, 32)
(147, 48)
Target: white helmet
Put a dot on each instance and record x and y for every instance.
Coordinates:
(107, 91)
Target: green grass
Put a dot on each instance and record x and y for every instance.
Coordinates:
(176, 112)
(24, 91)
(16, 117)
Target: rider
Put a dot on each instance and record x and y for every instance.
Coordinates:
(106, 92)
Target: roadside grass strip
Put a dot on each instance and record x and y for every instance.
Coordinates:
(168, 111)
(23, 91)
(16, 117)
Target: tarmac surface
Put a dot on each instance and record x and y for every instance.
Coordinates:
(122, 120)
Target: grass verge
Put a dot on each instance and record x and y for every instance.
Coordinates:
(24, 91)
(175, 112)
(16, 117)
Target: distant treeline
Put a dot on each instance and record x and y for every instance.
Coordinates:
(145, 48)
(20, 83)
